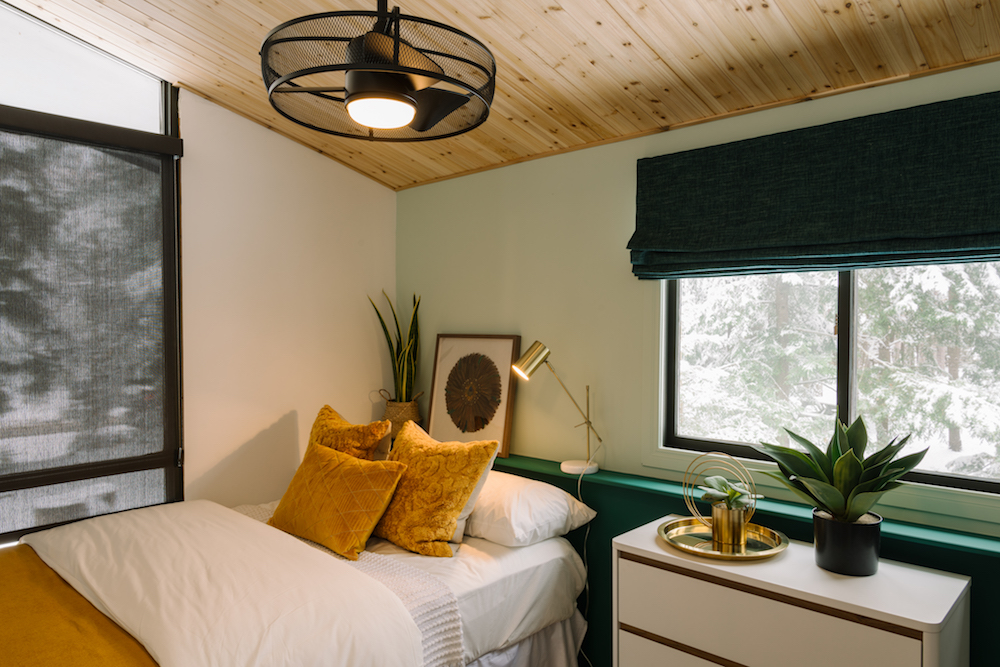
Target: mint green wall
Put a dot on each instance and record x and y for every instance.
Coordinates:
(538, 249)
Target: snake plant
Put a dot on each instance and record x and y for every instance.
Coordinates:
(402, 354)
(718, 489)
(841, 480)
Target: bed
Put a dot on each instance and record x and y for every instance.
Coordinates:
(195, 583)
(514, 604)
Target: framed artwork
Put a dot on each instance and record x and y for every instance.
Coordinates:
(472, 393)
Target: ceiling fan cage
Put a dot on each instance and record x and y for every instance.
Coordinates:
(306, 64)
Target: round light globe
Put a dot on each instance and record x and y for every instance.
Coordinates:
(381, 113)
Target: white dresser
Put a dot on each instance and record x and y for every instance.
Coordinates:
(678, 610)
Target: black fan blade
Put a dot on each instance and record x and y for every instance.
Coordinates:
(433, 105)
(373, 49)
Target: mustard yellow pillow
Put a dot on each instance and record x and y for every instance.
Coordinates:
(335, 499)
(439, 478)
(358, 440)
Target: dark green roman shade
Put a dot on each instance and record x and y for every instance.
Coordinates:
(913, 186)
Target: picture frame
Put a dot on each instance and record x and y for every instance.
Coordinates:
(473, 388)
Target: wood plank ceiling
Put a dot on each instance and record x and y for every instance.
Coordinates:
(571, 73)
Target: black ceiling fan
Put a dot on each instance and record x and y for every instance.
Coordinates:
(380, 75)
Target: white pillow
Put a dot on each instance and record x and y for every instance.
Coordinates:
(470, 504)
(515, 511)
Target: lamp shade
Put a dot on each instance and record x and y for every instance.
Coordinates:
(531, 360)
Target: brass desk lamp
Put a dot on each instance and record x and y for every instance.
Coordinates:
(529, 362)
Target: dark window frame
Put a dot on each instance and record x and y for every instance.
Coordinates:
(168, 147)
(846, 319)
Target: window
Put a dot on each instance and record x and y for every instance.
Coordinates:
(89, 360)
(913, 349)
(777, 203)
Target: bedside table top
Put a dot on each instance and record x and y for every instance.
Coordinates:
(898, 593)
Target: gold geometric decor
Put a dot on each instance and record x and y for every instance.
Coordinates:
(728, 534)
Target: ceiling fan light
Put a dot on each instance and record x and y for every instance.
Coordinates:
(317, 69)
(381, 111)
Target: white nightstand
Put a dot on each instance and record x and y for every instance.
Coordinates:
(672, 608)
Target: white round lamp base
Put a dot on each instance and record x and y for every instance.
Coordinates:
(578, 467)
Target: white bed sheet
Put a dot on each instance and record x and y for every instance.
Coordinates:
(555, 646)
(504, 594)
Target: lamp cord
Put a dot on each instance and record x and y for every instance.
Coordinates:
(586, 536)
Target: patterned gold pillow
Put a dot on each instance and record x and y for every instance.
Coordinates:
(439, 478)
(335, 499)
(358, 440)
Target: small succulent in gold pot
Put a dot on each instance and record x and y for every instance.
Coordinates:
(731, 502)
(735, 495)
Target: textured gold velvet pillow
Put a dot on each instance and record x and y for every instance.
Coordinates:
(439, 478)
(335, 499)
(358, 440)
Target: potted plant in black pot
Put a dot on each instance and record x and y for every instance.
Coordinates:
(843, 485)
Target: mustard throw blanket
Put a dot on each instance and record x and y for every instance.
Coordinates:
(44, 622)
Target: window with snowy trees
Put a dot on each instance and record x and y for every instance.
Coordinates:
(913, 349)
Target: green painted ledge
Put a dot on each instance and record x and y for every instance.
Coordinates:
(936, 537)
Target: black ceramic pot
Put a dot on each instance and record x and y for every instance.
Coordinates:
(847, 548)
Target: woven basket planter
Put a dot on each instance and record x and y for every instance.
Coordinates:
(399, 413)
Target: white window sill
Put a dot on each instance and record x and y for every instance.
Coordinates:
(967, 511)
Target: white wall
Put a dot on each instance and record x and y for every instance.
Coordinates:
(280, 249)
(538, 249)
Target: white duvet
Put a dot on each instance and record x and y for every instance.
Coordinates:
(201, 585)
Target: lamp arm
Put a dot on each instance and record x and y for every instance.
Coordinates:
(585, 416)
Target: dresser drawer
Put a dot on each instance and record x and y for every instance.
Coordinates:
(751, 627)
(636, 651)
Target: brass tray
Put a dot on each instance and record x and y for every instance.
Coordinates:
(690, 535)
